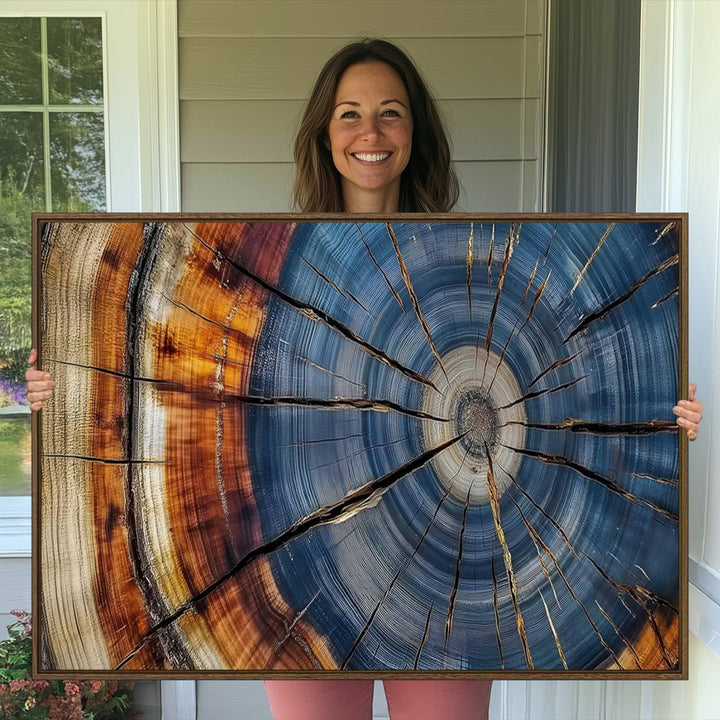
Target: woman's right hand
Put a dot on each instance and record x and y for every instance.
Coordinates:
(38, 384)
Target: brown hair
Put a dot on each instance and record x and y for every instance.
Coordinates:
(428, 183)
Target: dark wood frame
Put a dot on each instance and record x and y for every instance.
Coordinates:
(681, 673)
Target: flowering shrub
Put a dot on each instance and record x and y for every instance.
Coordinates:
(11, 393)
(23, 697)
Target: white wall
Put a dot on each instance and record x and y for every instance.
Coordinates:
(246, 67)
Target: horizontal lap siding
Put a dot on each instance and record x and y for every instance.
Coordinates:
(247, 66)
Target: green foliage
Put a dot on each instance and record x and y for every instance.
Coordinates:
(23, 697)
(76, 169)
(15, 296)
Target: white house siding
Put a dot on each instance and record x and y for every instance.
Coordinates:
(246, 66)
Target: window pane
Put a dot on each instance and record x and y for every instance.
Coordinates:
(20, 70)
(75, 60)
(15, 454)
(22, 190)
(77, 162)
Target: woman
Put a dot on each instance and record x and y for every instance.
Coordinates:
(371, 141)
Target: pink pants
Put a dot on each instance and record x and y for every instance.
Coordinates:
(352, 699)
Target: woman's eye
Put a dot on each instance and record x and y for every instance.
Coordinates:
(391, 113)
(349, 114)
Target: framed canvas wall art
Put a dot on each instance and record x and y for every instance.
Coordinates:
(410, 445)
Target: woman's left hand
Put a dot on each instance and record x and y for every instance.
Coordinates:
(689, 413)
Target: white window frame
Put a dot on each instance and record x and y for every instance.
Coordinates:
(141, 136)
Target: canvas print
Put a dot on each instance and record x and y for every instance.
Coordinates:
(317, 444)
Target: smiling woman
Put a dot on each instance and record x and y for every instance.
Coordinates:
(368, 100)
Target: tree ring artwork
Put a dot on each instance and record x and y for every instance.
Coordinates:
(300, 444)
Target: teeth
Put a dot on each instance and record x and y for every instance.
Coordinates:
(372, 157)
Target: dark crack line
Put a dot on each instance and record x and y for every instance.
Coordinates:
(289, 629)
(395, 293)
(402, 569)
(607, 309)
(469, 269)
(552, 237)
(501, 280)
(666, 481)
(540, 509)
(637, 594)
(426, 633)
(665, 298)
(496, 610)
(529, 282)
(314, 313)
(490, 255)
(624, 640)
(663, 233)
(351, 504)
(558, 644)
(550, 554)
(595, 477)
(330, 372)
(362, 451)
(456, 583)
(413, 298)
(502, 356)
(106, 371)
(507, 558)
(536, 299)
(554, 523)
(155, 602)
(577, 425)
(592, 257)
(319, 441)
(347, 295)
(543, 565)
(538, 393)
(557, 364)
(106, 461)
(338, 403)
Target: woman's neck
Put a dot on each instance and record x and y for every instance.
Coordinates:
(371, 202)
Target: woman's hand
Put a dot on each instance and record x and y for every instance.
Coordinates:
(689, 413)
(39, 385)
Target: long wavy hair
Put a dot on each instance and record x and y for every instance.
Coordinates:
(428, 183)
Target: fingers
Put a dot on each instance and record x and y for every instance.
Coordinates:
(38, 384)
(689, 415)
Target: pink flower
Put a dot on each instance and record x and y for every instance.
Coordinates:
(4, 689)
(40, 686)
(92, 687)
(60, 708)
(18, 685)
(71, 689)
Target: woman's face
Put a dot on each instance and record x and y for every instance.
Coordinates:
(370, 134)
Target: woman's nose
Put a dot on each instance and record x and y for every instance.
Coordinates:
(371, 128)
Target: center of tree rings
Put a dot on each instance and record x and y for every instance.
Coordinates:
(477, 402)
(477, 420)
